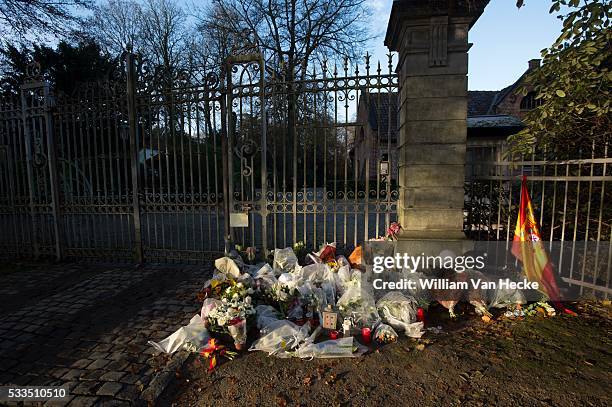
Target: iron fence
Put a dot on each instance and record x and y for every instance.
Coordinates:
(170, 170)
(91, 127)
(298, 174)
(571, 197)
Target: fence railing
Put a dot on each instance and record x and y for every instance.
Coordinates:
(572, 198)
(148, 170)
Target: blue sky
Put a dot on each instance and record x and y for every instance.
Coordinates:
(504, 39)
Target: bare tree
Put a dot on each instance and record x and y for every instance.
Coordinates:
(293, 33)
(155, 29)
(117, 25)
(164, 35)
(219, 33)
(24, 18)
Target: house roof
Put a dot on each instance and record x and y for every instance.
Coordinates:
(480, 102)
(481, 111)
(495, 120)
(378, 115)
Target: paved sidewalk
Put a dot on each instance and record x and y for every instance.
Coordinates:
(88, 326)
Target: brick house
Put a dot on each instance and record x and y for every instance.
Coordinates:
(492, 117)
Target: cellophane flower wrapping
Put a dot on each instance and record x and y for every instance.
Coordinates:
(397, 309)
(280, 338)
(285, 260)
(238, 331)
(266, 314)
(385, 334)
(506, 297)
(359, 304)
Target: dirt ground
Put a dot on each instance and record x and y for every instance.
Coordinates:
(536, 361)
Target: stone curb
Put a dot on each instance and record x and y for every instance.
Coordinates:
(162, 379)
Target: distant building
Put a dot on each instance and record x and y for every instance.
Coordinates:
(492, 117)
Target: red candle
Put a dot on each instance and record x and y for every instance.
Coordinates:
(366, 335)
(420, 315)
(333, 335)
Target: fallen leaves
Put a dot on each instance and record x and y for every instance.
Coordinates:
(331, 379)
(281, 400)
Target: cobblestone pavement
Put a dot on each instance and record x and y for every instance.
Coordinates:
(87, 327)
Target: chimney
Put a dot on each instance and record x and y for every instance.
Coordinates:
(534, 63)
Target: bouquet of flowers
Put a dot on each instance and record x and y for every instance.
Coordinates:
(359, 304)
(333, 265)
(385, 334)
(215, 287)
(393, 231)
(327, 253)
(212, 350)
(541, 307)
(300, 250)
(232, 312)
(398, 310)
(284, 295)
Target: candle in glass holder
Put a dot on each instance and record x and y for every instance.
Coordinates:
(366, 335)
(420, 315)
(333, 334)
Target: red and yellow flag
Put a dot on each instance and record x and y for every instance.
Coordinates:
(536, 264)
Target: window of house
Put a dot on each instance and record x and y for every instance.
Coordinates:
(530, 102)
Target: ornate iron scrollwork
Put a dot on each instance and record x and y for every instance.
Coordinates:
(245, 151)
(33, 71)
(39, 158)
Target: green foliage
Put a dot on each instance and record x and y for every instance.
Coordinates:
(65, 66)
(573, 83)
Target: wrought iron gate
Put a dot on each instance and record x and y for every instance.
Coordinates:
(314, 159)
(171, 168)
(29, 211)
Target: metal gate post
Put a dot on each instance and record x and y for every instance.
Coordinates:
(264, 160)
(53, 175)
(226, 155)
(133, 123)
(30, 171)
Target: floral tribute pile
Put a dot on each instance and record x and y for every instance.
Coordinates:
(321, 308)
(291, 306)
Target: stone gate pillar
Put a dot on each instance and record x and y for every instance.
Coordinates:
(431, 38)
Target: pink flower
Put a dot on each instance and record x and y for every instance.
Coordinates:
(394, 230)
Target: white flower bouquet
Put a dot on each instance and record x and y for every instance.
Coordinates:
(232, 312)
